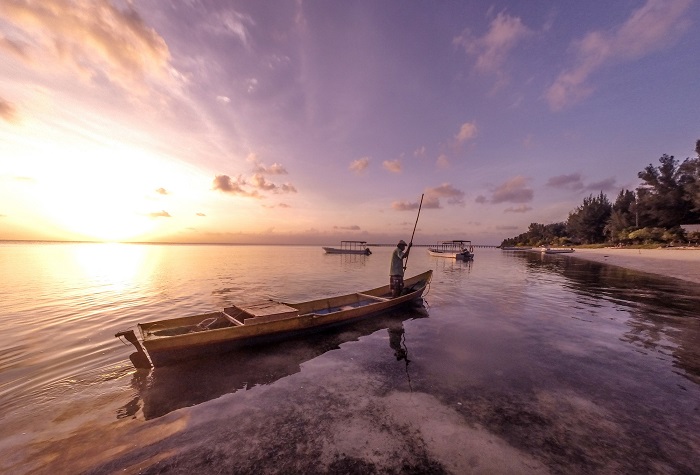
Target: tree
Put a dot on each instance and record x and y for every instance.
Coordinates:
(664, 198)
(690, 170)
(623, 216)
(587, 223)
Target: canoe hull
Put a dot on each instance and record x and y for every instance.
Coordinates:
(166, 343)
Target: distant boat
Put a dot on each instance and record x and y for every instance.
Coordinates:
(456, 249)
(548, 250)
(169, 341)
(349, 247)
(515, 248)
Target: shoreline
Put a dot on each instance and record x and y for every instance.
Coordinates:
(679, 263)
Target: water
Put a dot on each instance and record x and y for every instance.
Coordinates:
(516, 363)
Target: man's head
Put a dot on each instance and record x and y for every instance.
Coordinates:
(402, 244)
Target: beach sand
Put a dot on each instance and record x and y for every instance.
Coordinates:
(680, 263)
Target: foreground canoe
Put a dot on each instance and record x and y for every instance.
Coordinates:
(170, 341)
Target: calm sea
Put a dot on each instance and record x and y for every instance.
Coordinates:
(514, 363)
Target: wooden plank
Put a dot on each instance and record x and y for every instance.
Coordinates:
(373, 297)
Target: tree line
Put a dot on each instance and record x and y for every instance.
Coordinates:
(668, 197)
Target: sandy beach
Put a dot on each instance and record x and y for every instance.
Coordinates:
(680, 263)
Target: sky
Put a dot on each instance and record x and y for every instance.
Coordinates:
(311, 122)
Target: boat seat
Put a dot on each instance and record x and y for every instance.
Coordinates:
(373, 297)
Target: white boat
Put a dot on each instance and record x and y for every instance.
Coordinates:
(349, 247)
(548, 250)
(455, 249)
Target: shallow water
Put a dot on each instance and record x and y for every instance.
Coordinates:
(515, 363)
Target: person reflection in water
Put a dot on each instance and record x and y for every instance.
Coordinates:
(397, 344)
(397, 268)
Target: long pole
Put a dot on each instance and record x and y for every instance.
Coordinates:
(414, 229)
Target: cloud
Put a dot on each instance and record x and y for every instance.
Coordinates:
(518, 209)
(431, 198)
(162, 191)
(650, 28)
(8, 111)
(13, 47)
(223, 99)
(360, 165)
(419, 152)
(92, 38)
(259, 167)
(159, 214)
(354, 227)
(571, 182)
(492, 49)
(574, 182)
(393, 166)
(232, 23)
(481, 199)
(442, 161)
(201, 214)
(225, 184)
(454, 196)
(467, 131)
(514, 190)
(258, 181)
(607, 184)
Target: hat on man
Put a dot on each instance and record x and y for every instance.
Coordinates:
(401, 243)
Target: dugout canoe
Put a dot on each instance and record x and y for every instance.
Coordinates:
(165, 342)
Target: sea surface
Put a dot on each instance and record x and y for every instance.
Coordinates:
(513, 363)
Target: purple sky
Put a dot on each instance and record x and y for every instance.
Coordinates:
(316, 121)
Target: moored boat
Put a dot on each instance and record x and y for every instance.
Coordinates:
(166, 342)
(349, 247)
(548, 250)
(456, 249)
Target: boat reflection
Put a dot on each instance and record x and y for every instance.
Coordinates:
(160, 391)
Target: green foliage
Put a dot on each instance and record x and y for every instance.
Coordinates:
(586, 225)
(668, 196)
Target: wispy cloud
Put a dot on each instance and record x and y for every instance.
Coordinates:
(8, 111)
(493, 48)
(393, 166)
(442, 161)
(650, 28)
(467, 132)
(360, 165)
(453, 195)
(232, 23)
(353, 227)
(515, 190)
(92, 38)
(259, 167)
(162, 191)
(518, 209)
(574, 182)
(607, 184)
(432, 197)
(159, 214)
(570, 182)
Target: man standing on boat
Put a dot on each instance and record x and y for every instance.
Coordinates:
(397, 268)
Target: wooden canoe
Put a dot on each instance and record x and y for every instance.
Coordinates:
(170, 341)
